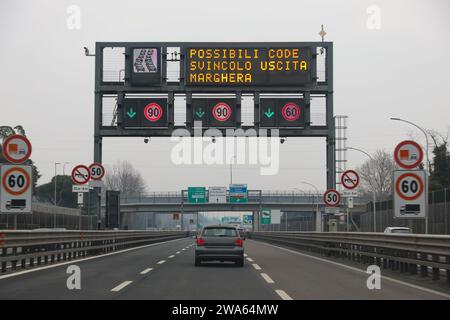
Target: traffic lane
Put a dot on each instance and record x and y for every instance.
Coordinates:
(98, 275)
(304, 277)
(179, 278)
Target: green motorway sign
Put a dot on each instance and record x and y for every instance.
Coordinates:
(196, 194)
(266, 216)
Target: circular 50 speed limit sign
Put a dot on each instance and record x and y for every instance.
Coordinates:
(16, 181)
(332, 198)
(97, 171)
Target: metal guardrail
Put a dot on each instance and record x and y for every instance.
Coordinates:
(27, 248)
(412, 253)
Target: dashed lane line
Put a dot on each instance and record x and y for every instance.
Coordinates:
(146, 271)
(161, 262)
(360, 271)
(283, 294)
(170, 257)
(121, 286)
(257, 267)
(84, 259)
(250, 259)
(267, 278)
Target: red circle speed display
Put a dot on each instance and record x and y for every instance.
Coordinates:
(221, 111)
(332, 198)
(290, 111)
(97, 171)
(409, 186)
(153, 112)
(16, 181)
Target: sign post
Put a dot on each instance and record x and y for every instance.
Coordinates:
(238, 193)
(16, 149)
(266, 216)
(217, 195)
(409, 194)
(80, 174)
(350, 180)
(196, 194)
(332, 198)
(409, 155)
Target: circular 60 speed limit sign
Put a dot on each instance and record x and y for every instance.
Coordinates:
(332, 198)
(16, 181)
(409, 186)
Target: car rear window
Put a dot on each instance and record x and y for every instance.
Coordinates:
(219, 232)
(401, 231)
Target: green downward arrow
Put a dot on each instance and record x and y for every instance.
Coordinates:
(200, 113)
(269, 113)
(131, 113)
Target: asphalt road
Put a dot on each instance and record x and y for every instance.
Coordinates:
(167, 271)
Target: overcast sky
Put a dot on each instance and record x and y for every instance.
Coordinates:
(401, 69)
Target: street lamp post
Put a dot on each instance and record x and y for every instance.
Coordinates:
(373, 191)
(231, 168)
(427, 167)
(318, 215)
(54, 199)
(56, 164)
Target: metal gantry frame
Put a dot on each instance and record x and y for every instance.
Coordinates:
(122, 88)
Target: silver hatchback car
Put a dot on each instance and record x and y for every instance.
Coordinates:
(219, 243)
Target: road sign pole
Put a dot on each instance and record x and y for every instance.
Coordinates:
(348, 218)
(182, 209)
(374, 211)
(427, 206)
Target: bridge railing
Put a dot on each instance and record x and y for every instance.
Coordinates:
(26, 248)
(406, 253)
(253, 196)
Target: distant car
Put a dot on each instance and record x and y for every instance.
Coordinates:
(242, 233)
(397, 230)
(219, 243)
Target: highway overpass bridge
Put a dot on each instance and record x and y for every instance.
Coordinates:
(177, 202)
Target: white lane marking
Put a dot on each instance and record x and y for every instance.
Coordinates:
(83, 259)
(170, 257)
(362, 271)
(245, 254)
(283, 295)
(267, 278)
(121, 286)
(161, 262)
(256, 266)
(146, 271)
(178, 252)
(183, 249)
(250, 259)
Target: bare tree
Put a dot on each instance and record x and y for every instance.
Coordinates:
(377, 173)
(124, 178)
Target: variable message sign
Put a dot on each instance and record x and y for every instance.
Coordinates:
(145, 112)
(282, 112)
(247, 66)
(215, 112)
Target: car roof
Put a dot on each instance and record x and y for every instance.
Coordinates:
(219, 226)
(398, 228)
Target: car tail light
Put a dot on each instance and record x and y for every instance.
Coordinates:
(200, 242)
(239, 242)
